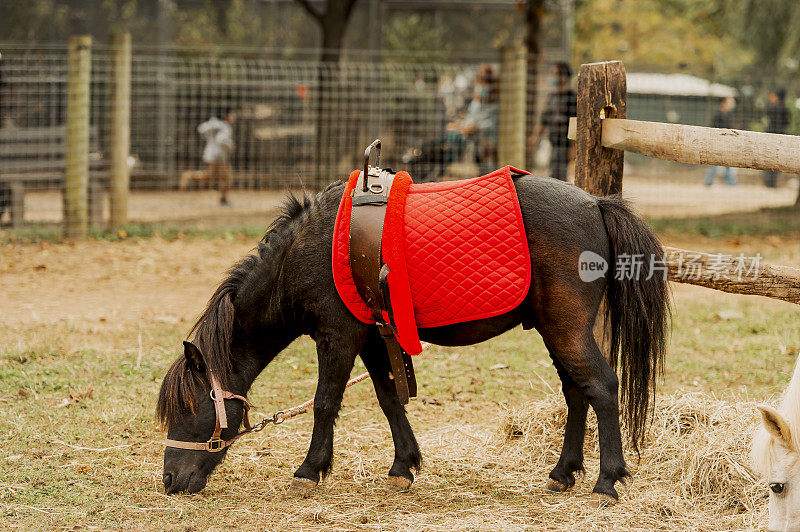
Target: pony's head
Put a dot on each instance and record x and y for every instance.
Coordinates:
(185, 405)
(776, 457)
(240, 331)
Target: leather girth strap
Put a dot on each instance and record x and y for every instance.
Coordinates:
(370, 273)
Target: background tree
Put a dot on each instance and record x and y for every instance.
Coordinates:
(333, 25)
(534, 14)
(771, 30)
(663, 35)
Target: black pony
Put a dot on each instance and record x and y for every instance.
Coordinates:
(285, 289)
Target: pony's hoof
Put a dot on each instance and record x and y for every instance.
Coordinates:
(554, 485)
(398, 484)
(301, 487)
(601, 500)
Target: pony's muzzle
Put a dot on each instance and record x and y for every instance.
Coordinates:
(190, 482)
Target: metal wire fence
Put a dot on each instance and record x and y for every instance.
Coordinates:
(295, 124)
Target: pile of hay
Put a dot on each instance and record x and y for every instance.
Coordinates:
(488, 472)
(694, 462)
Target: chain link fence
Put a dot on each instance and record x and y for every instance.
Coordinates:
(299, 124)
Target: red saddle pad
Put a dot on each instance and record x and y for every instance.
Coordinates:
(456, 250)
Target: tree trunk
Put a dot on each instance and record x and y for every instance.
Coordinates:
(534, 13)
(333, 24)
(333, 30)
(221, 8)
(330, 126)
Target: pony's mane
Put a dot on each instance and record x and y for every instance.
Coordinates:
(213, 330)
(763, 443)
(790, 405)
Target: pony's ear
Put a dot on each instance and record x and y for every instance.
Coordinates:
(194, 357)
(776, 425)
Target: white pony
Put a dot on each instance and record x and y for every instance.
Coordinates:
(776, 456)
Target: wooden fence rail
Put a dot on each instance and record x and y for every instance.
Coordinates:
(602, 142)
(733, 274)
(701, 145)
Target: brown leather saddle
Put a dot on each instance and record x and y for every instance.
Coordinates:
(370, 272)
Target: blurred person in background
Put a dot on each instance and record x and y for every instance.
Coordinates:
(723, 118)
(562, 103)
(448, 93)
(478, 126)
(777, 122)
(470, 132)
(480, 122)
(218, 135)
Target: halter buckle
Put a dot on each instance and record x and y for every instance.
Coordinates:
(215, 445)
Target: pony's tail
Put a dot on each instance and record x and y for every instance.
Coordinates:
(637, 311)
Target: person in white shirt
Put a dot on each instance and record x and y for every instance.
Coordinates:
(218, 135)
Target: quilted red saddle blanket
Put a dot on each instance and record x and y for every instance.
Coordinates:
(456, 251)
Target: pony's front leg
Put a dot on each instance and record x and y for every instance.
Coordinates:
(336, 356)
(406, 449)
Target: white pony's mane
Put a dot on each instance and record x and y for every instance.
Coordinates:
(763, 442)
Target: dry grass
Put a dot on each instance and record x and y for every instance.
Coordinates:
(87, 332)
(693, 475)
(694, 466)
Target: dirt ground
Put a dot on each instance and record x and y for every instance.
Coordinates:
(166, 205)
(112, 282)
(88, 329)
(652, 196)
(170, 280)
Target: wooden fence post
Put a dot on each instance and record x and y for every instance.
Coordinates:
(76, 178)
(601, 88)
(17, 205)
(119, 129)
(511, 121)
(602, 92)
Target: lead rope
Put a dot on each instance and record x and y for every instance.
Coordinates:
(282, 415)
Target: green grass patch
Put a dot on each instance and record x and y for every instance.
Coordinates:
(777, 221)
(35, 233)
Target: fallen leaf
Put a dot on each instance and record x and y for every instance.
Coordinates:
(76, 397)
(729, 314)
(65, 402)
(498, 366)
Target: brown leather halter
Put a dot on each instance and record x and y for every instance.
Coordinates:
(216, 444)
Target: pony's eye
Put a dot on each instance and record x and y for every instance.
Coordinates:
(776, 487)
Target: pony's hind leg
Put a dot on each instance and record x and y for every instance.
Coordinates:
(566, 325)
(336, 355)
(406, 449)
(577, 351)
(562, 477)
